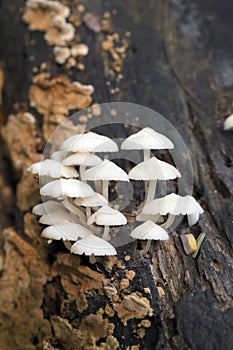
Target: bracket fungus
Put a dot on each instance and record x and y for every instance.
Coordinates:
(74, 210)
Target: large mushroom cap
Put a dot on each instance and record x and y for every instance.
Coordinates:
(93, 245)
(96, 200)
(46, 207)
(52, 168)
(149, 230)
(147, 138)
(70, 188)
(228, 123)
(154, 169)
(173, 204)
(66, 231)
(82, 158)
(106, 170)
(107, 216)
(89, 142)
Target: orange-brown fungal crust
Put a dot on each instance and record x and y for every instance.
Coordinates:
(55, 96)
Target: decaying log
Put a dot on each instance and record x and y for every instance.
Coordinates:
(178, 61)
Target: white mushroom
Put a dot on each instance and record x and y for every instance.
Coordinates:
(173, 204)
(89, 142)
(57, 217)
(147, 139)
(66, 189)
(58, 156)
(106, 217)
(52, 168)
(149, 231)
(228, 123)
(105, 172)
(83, 159)
(96, 200)
(152, 170)
(46, 207)
(66, 231)
(93, 245)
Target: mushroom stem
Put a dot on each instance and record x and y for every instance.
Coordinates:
(168, 223)
(88, 212)
(70, 206)
(150, 191)
(82, 169)
(92, 259)
(146, 248)
(146, 154)
(105, 189)
(106, 233)
(98, 187)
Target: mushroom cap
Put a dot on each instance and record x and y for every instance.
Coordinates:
(228, 123)
(56, 217)
(107, 216)
(68, 231)
(89, 142)
(52, 168)
(82, 158)
(193, 218)
(154, 169)
(149, 230)
(93, 245)
(46, 207)
(66, 187)
(147, 138)
(106, 170)
(96, 200)
(57, 155)
(173, 204)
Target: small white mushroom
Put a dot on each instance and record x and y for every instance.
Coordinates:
(96, 200)
(93, 245)
(66, 231)
(58, 156)
(89, 142)
(53, 169)
(173, 204)
(46, 207)
(106, 217)
(149, 231)
(152, 170)
(105, 172)
(66, 189)
(57, 217)
(83, 159)
(228, 123)
(147, 139)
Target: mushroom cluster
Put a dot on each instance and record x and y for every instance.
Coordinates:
(75, 182)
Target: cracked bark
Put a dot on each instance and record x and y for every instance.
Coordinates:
(178, 64)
